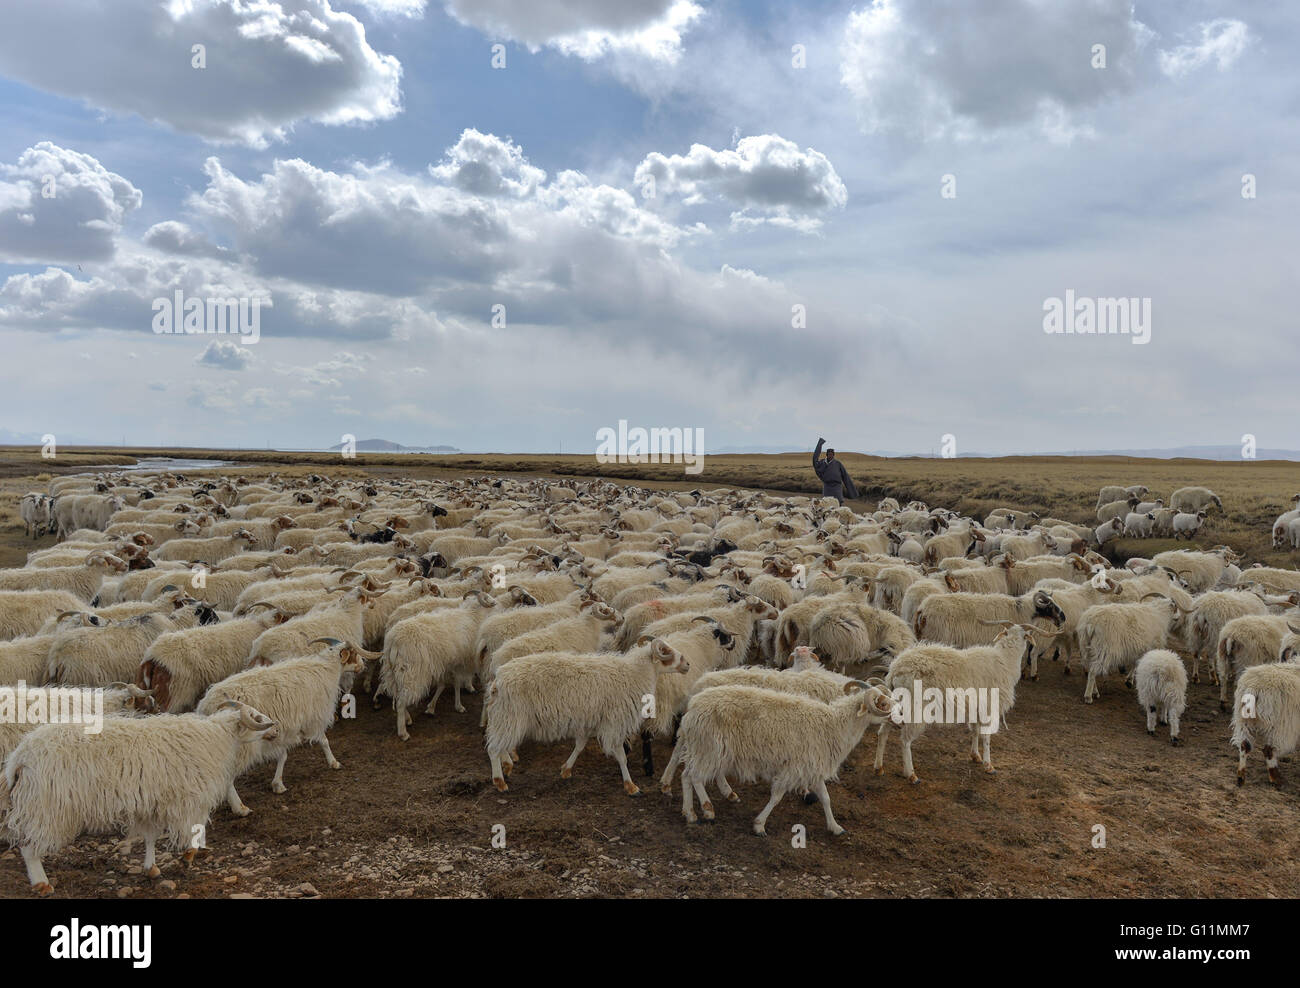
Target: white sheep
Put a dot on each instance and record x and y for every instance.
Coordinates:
(1194, 499)
(1185, 525)
(150, 776)
(1266, 714)
(787, 740)
(968, 680)
(23, 612)
(559, 696)
(1115, 636)
(1161, 681)
(301, 695)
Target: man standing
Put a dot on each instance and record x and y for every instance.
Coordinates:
(835, 479)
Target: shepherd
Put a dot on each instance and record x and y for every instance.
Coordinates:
(835, 479)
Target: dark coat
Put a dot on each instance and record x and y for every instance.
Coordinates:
(835, 479)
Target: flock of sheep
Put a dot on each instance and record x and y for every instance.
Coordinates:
(228, 620)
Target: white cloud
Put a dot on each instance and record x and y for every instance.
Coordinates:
(268, 65)
(225, 355)
(936, 68)
(588, 29)
(767, 176)
(1222, 41)
(61, 205)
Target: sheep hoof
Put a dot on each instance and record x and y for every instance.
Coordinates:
(974, 757)
(188, 856)
(990, 770)
(1034, 677)
(1087, 699)
(880, 770)
(500, 784)
(336, 764)
(507, 768)
(1273, 777)
(460, 710)
(708, 810)
(667, 790)
(630, 788)
(838, 831)
(279, 788)
(759, 831)
(1241, 777)
(1176, 741)
(809, 798)
(241, 810)
(1196, 677)
(566, 772)
(913, 779)
(43, 889)
(734, 797)
(403, 737)
(1065, 671)
(153, 872)
(1152, 733)
(692, 818)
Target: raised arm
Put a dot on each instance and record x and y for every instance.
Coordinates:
(817, 453)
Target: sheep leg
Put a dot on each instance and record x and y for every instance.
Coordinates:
(1242, 752)
(330, 760)
(725, 788)
(1090, 687)
(401, 724)
(1151, 720)
(760, 821)
(647, 753)
(150, 866)
(1223, 688)
(236, 804)
(688, 803)
(1270, 759)
(882, 736)
(908, 770)
(706, 804)
(629, 786)
(459, 707)
(666, 781)
(1196, 666)
(36, 872)
(277, 782)
(434, 702)
(498, 779)
(566, 770)
(825, 797)
(1173, 729)
(988, 757)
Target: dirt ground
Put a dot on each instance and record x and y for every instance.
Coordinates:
(419, 818)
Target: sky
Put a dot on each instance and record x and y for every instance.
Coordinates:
(504, 225)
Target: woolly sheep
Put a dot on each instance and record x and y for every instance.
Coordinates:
(1266, 714)
(787, 740)
(560, 696)
(1161, 682)
(1194, 499)
(1115, 636)
(150, 776)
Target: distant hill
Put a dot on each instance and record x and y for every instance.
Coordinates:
(388, 446)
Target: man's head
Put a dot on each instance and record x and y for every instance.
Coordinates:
(830, 453)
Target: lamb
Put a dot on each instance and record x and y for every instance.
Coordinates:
(35, 512)
(1266, 712)
(151, 776)
(976, 677)
(1185, 526)
(300, 694)
(563, 695)
(1115, 636)
(1161, 681)
(431, 651)
(1194, 499)
(1141, 525)
(1102, 534)
(787, 740)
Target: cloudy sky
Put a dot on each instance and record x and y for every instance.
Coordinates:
(506, 224)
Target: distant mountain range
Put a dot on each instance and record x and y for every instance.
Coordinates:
(388, 446)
